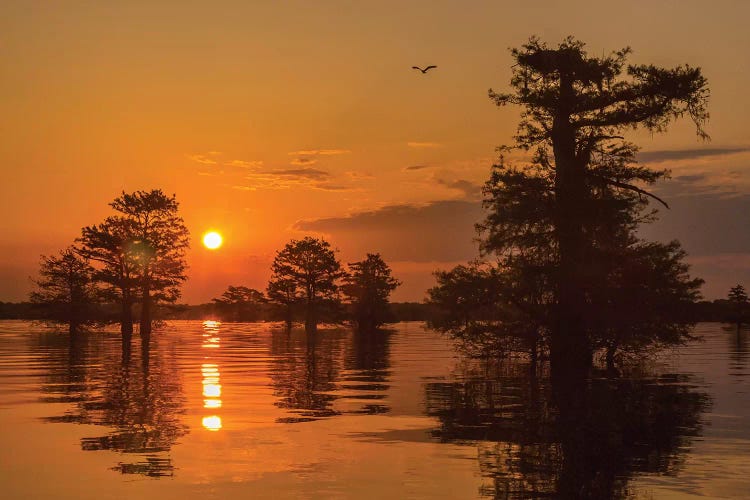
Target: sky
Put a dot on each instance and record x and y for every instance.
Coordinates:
(276, 120)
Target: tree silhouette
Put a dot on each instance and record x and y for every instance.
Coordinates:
(367, 286)
(142, 250)
(583, 172)
(240, 303)
(159, 240)
(306, 270)
(108, 244)
(283, 292)
(491, 311)
(738, 298)
(66, 289)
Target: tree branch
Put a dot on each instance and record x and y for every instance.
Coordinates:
(629, 187)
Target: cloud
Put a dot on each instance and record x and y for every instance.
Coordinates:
(203, 159)
(333, 187)
(437, 231)
(322, 152)
(356, 176)
(245, 164)
(416, 144)
(688, 154)
(416, 167)
(471, 190)
(303, 161)
(300, 173)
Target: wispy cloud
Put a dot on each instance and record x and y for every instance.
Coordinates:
(471, 190)
(321, 152)
(357, 176)
(689, 154)
(325, 186)
(245, 163)
(303, 161)
(301, 173)
(417, 144)
(416, 167)
(204, 159)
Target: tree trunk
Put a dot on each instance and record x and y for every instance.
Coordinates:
(288, 317)
(311, 320)
(570, 353)
(145, 327)
(126, 322)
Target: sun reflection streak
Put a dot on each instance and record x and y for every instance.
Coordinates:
(212, 423)
(211, 377)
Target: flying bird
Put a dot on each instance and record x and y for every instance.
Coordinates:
(428, 68)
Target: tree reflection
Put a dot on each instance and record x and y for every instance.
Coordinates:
(368, 369)
(538, 441)
(330, 373)
(305, 369)
(141, 399)
(739, 348)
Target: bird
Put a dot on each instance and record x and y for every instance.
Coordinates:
(423, 70)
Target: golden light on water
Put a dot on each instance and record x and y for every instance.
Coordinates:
(212, 240)
(212, 390)
(212, 423)
(211, 375)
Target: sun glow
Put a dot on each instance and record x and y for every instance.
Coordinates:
(212, 240)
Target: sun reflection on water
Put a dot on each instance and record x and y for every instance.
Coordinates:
(212, 423)
(211, 377)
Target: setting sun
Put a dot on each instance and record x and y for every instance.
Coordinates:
(212, 240)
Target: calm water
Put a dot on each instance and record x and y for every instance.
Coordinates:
(246, 411)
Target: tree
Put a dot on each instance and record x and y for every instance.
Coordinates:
(306, 270)
(240, 303)
(645, 300)
(738, 298)
(574, 109)
(368, 285)
(159, 240)
(142, 252)
(489, 310)
(108, 244)
(66, 289)
(283, 292)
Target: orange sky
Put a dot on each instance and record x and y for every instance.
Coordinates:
(271, 120)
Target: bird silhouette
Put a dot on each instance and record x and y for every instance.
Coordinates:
(428, 68)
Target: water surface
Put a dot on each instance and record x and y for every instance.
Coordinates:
(216, 410)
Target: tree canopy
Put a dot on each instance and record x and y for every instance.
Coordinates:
(367, 285)
(141, 251)
(66, 289)
(306, 271)
(561, 221)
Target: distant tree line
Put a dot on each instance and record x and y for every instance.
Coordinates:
(309, 284)
(134, 263)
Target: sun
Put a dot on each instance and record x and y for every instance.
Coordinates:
(212, 240)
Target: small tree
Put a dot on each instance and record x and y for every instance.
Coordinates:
(490, 310)
(66, 289)
(240, 303)
(367, 286)
(306, 270)
(738, 298)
